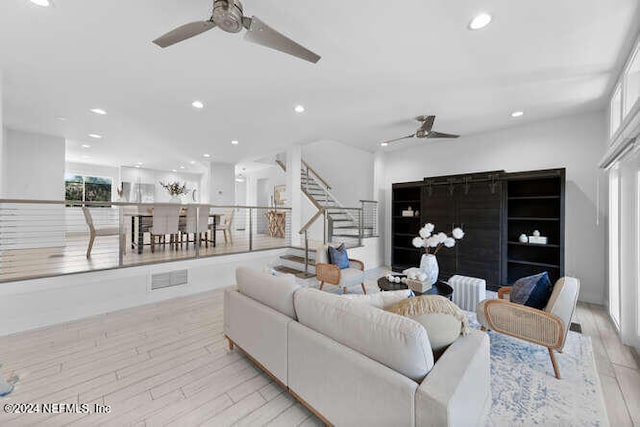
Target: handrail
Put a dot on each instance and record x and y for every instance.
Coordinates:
(79, 203)
(306, 165)
(313, 219)
(368, 201)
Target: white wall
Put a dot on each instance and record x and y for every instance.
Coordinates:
(152, 176)
(222, 184)
(33, 168)
(37, 303)
(2, 131)
(575, 143)
(348, 170)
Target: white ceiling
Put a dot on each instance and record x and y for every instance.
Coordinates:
(382, 64)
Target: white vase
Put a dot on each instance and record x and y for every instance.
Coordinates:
(429, 266)
(175, 200)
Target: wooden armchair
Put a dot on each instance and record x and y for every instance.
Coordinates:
(333, 275)
(548, 327)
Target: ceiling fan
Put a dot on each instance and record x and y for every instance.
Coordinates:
(228, 15)
(424, 131)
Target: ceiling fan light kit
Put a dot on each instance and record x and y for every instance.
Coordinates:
(229, 16)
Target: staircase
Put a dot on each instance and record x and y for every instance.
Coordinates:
(342, 224)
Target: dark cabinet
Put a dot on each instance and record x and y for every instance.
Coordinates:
(494, 209)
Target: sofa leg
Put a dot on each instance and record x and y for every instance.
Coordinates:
(321, 285)
(230, 344)
(364, 290)
(554, 363)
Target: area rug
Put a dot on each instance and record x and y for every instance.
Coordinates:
(526, 393)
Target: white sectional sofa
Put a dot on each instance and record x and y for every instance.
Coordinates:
(354, 364)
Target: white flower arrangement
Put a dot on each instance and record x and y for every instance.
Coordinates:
(432, 242)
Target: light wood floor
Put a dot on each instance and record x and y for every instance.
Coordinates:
(71, 258)
(168, 364)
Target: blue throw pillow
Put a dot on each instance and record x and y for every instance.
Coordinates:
(532, 291)
(338, 256)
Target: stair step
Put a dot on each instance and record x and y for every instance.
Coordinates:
(297, 273)
(298, 259)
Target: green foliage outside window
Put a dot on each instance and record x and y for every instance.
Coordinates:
(80, 188)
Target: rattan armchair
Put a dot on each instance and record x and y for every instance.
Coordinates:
(333, 275)
(548, 327)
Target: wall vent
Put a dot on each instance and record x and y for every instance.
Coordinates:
(169, 279)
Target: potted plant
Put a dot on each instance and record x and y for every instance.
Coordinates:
(175, 190)
(432, 243)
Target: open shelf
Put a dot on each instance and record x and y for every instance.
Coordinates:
(536, 245)
(531, 218)
(533, 198)
(536, 264)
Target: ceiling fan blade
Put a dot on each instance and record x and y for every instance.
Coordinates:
(427, 122)
(184, 32)
(399, 139)
(433, 135)
(260, 33)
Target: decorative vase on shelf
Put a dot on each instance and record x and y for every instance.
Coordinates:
(429, 266)
(175, 199)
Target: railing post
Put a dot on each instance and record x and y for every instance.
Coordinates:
(122, 236)
(361, 226)
(325, 232)
(250, 229)
(196, 238)
(306, 252)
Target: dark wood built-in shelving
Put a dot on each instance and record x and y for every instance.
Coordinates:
(494, 208)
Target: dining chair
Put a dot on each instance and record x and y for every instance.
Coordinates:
(196, 222)
(99, 231)
(165, 222)
(225, 227)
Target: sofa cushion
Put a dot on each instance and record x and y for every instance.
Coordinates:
(442, 319)
(394, 341)
(275, 292)
(381, 299)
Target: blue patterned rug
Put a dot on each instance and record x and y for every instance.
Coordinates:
(526, 393)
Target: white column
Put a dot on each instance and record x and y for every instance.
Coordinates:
(2, 167)
(294, 164)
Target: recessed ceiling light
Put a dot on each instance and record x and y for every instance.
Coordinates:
(86, 146)
(235, 142)
(181, 167)
(61, 118)
(192, 162)
(43, 3)
(517, 114)
(137, 166)
(384, 144)
(98, 111)
(206, 155)
(139, 163)
(299, 109)
(480, 21)
(173, 170)
(198, 105)
(95, 136)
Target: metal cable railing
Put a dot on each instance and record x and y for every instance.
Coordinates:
(40, 238)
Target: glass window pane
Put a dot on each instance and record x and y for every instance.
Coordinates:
(97, 189)
(73, 191)
(616, 111)
(632, 83)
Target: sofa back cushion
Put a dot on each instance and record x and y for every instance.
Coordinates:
(272, 291)
(395, 341)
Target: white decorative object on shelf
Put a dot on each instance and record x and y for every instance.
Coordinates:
(523, 238)
(538, 240)
(536, 233)
(408, 212)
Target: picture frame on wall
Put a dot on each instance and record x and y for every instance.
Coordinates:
(279, 195)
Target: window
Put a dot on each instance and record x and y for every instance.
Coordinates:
(616, 111)
(614, 245)
(80, 188)
(632, 82)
